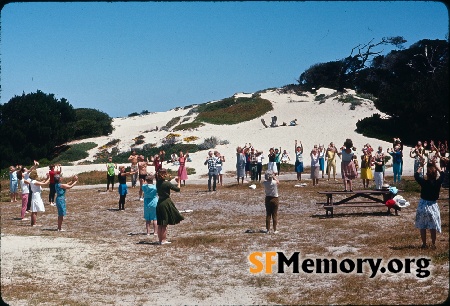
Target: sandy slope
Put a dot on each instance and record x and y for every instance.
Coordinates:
(318, 123)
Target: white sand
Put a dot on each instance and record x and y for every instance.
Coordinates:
(318, 123)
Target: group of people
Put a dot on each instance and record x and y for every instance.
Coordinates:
(160, 211)
(435, 159)
(31, 189)
(249, 162)
(214, 161)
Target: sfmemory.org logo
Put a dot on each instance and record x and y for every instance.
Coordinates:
(266, 261)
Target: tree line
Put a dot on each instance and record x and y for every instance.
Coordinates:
(33, 125)
(411, 86)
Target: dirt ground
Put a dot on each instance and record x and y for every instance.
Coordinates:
(105, 258)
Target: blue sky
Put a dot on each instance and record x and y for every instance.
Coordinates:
(125, 57)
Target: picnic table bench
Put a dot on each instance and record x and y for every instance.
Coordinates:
(370, 198)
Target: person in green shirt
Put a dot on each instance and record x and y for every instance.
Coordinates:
(110, 173)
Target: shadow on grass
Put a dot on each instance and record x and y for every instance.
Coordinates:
(405, 247)
(355, 214)
(148, 242)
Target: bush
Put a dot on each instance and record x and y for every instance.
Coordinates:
(74, 153)
(190, 138)
(138, 142)
(209, 143)
(188, 126)
(367, 96)
(148, 146)
(133, 114)
(319, 97)
(91, 123)
(234, 110)
(173, 122)
(376, 127)
(110, 144)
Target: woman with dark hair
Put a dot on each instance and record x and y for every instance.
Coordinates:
(348, 168)
(123, 188)
(166, 212)
(53, 170)
(428, 215)
(61, 197)
(182, 170)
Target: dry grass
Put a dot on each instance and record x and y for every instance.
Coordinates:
(104, 257)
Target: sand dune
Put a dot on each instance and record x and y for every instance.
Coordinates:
(318, 123)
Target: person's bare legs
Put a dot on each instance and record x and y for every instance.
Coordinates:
(345, 184)
(350, 185)
(60, 221)
(147, 226)
(433, 237)
(141, 182)
(423, 236)
(33, 218)
(155, 227)
(162, 234)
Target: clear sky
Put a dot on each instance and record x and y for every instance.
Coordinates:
(126, 57)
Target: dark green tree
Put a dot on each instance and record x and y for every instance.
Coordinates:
(32, 125)
(412, 88)
(91, 123)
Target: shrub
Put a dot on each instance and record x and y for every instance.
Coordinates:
(109, 144)
(376, 127)
(170, 139)
(173, 122)
(190, 138)
(74, 153)
(209, 143)
(148, 146)
(133, 114)
(350, 99)
(319, 97)
(367, 96)
(234, 110)
(190, 171)
(188, 126)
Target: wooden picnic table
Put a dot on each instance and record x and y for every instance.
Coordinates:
(370, 198)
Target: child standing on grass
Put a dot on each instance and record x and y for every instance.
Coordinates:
(271, 200)
(150, 202)
(123, 189)
(61, 197)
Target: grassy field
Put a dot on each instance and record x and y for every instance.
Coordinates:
(105, 258)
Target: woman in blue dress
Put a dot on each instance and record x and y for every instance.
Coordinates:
(61, 197)
(150, 202)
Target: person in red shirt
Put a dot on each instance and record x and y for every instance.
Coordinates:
(54, 169)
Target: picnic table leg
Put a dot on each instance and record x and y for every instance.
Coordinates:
(330, 205)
